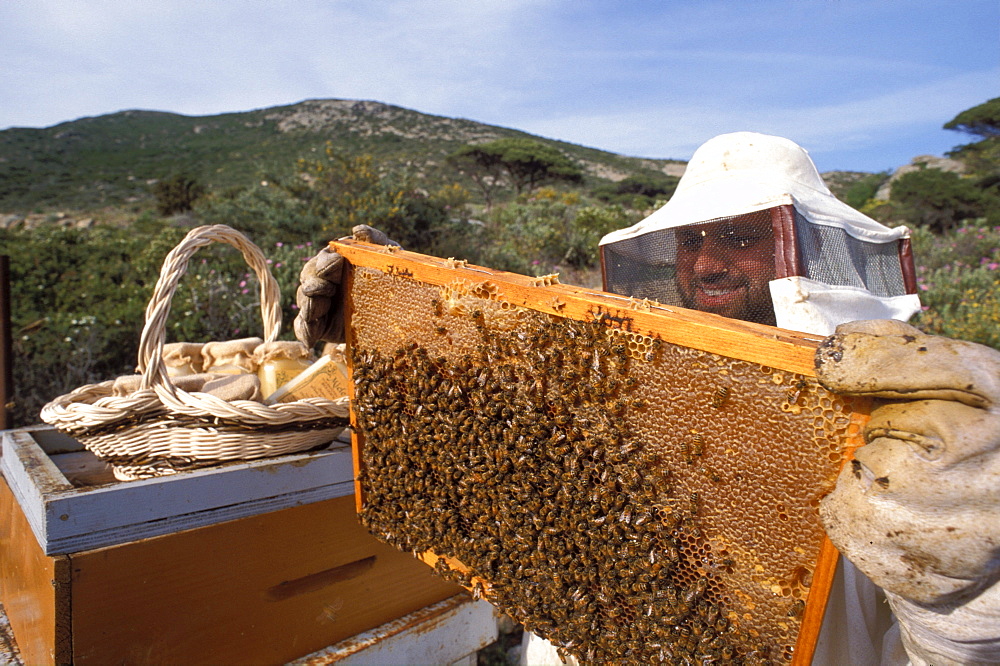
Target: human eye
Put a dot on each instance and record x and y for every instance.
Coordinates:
(741, 240)
(689, 242)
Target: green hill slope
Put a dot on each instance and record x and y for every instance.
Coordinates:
(111, 160)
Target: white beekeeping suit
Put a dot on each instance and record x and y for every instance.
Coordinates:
(753, 233)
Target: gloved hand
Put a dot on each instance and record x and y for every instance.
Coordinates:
(321, 312)
(918, 510)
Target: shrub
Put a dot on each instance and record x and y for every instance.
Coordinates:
(959, 281)
(938, 199)
(548, 236)
(177, 194)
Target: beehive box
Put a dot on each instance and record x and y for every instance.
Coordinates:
(255, 562)
(630, 481)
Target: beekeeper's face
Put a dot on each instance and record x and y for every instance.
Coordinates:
(724, 267)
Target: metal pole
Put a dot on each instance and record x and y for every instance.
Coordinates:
(6, 354)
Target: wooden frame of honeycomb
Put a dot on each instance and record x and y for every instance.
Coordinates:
(631, 481)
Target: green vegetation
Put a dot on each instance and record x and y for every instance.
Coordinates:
(79, 294)
(521, 164)
(939, 200)
(982, 121)
(176, 194)
(114, 160)
(640, 191)
(959, 281)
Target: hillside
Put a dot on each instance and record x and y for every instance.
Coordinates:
(111, 160)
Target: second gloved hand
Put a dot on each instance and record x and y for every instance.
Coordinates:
(918, 510)
(319, 298)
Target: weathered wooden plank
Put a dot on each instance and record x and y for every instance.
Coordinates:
(65, 518)
(33, 589)
(31, 476)
(441, 633)
(263, 589)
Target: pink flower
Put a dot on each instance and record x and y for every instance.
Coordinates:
(993, 266)
(243, 283)
(279, 244)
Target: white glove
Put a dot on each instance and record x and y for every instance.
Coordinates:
(918, 510)
(321, 312)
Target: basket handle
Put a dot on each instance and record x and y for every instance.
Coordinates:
(151, 366)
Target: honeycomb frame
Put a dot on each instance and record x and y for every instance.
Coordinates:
(561, 389)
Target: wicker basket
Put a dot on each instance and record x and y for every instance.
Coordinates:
(161, 429)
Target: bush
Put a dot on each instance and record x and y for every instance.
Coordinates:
(959, 281)
(78, 299)
(639, 192)
(265, 213)
(548, 236)
(938, 199)
(177, 194)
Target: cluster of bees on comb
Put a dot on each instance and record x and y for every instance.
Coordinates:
(523, 449)
(561, 514)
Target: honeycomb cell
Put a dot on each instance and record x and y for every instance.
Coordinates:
(629, 499)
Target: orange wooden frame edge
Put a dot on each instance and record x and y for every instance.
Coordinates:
(775, 347)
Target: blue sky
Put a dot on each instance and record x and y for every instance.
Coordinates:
(862, 84)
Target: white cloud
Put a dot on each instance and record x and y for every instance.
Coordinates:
(675, 130)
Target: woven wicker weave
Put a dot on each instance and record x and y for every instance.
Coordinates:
(161, 429)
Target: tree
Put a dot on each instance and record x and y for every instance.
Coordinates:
(530, 163)
(982, 121)
(982, 157)
(482, 165)
(176, 194)
(938, 199)
(523, 164)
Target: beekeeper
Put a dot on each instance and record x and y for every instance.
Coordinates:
(753, 233)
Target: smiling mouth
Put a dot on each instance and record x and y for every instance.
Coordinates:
(718, 292)
(718, 296)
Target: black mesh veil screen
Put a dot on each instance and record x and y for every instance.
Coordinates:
(721, 266)
(643, 266)
(832, 256)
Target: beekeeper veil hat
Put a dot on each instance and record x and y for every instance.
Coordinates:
(824, 263)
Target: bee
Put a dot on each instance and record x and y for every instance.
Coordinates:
(793, 393)
(720, 397)
(692, 450)
(797, 608)
(697, 444)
